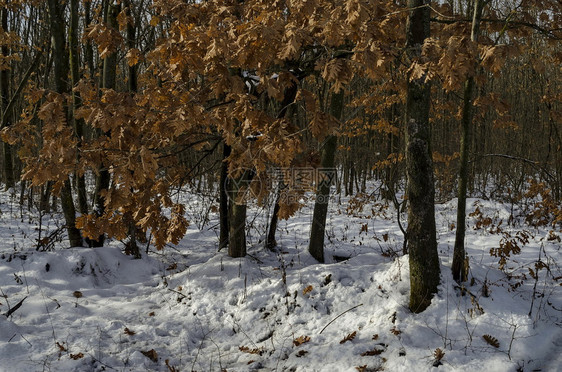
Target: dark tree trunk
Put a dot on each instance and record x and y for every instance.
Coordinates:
(237, 221)
(318, 227)
(422, 241)
(270, 242)
(9, 180)
(61, 67)
(44, 197)
(223, 209)
(132, 247)
(109, 78)
(391, 147)
(459, 266)
(351, 177)
(88, 50)
(131, 43)
(69, 212)
(76, 101)
(237, 227)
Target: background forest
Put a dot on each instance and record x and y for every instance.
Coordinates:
(138, 120)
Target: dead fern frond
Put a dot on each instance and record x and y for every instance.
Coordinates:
(438, 354)
(490, 340)
(349, 337)
(247, 350)
(301, 340)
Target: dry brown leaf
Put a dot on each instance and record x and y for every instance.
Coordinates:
(301, 340)
(247, 350)
(133, 56)
(127, 331)
(373, 352)
(151, 354)
(490, 340)
(349, 337)
(438, 354)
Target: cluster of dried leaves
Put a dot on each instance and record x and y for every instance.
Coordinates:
(221, 72)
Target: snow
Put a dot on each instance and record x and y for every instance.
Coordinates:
(197, 309)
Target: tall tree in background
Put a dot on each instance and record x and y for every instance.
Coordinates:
(459, 265)
(238, 188)
(76, 101)
(223, 198)
(420, 193)
(61, 68)
(8, 169)
(325, 176)
(288, 98)
(109, 76)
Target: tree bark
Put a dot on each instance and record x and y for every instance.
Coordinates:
(132, 247)
(459, 266)
(88, 49)
(109, 79)
(131, 43)
(422, 242)
(61, 67)
(237, 220)
(270, 242)
(76, 101)
(8, 165)
(69, 212)
(318, 227)
(223, 209)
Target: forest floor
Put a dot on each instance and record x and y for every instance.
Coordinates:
(192, 308)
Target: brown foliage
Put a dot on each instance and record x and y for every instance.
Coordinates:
(220, 72)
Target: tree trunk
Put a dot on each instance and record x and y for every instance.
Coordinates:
(44, 197)
(69, 212)
(223, 210)
(9, 180)
(61, 67)
(109, 77)
(237, 221)
(270, 241)
(237, 227)
(88, 49)
(422, 242)
(76, 101)
(318, 227)
(288, 98)
(390, 173)
(131, 43)
(351, 168)
(459, 266)
(132, 247)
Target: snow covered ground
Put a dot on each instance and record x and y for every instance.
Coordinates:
(191, 308)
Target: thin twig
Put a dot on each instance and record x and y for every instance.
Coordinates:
(536, 281)
(331, 321)
(13, 309)
(179, 293)
(524, 160)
